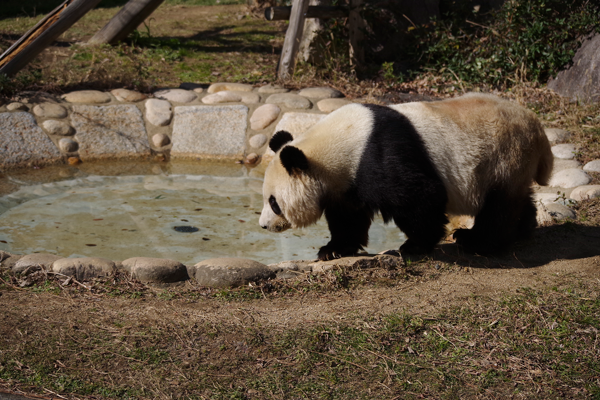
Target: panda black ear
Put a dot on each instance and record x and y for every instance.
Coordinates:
(293, 160)
(279, 139)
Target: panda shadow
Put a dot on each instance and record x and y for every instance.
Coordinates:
(568, 241)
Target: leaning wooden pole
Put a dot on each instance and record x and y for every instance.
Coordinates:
(125, 21)
(293, 36)
(356, 29)
(43, 34)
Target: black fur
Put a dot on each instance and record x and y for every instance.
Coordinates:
(293, 160)
(502, 219)
(279, 139)
(396, 178)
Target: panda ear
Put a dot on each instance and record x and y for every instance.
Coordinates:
(279, 139)
(293, 160)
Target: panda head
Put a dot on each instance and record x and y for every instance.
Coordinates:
(291, 192)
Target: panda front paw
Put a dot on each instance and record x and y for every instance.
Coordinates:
(331, 252)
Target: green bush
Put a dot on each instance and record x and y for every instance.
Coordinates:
(525, 40)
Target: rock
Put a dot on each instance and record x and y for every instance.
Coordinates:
(581, 81)
(176, 95)
(196, 87)
(218, 131)
(87, 96)
(263, 116)
(218, 87)
(592, 166)
(160, 140)
(320, 93)
(542, 216)
(54, 127)
(297, 123)
(84, 269)
(556, 135)
(251, 159)
(329, 105)
(231, 272)
(564, 151)
(22, 141)
(285, 270)
(67, 145)
(559, 211)
(228, 96)
(258, 141)
(289, 100)
(560, 165)
(42, 260)
(74, 161)
(16, 106)
(8, 260)
(545, 198)
(585, 192)
(290, 269)
(272, 89)
(130, 96)
(110, 131)
(50, 110)
(158, 112)
(156, 270)
(569, 178)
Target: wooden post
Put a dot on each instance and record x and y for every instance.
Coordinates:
(43, 34)
(287, 62)
(356, 26)
(125, 21)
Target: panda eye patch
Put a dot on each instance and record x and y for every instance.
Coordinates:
(274, 205)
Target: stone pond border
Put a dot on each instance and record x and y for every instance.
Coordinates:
(230, 121)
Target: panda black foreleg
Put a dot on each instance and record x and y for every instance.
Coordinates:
(349, 229)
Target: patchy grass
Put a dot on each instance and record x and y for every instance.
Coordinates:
(532, 344)
(179, 42)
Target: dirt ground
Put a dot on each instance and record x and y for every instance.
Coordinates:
(558, 256)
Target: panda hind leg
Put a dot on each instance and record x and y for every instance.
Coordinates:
(423, 231)
(503, 219)
(349, 228)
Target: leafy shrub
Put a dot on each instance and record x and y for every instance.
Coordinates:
(525, 40)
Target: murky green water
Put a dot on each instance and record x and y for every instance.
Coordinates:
(186, 212)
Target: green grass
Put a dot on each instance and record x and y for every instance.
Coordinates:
(34, 8)
(534, 344)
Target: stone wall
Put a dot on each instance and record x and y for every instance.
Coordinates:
(223, 120)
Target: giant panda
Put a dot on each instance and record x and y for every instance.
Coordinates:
(416, 164)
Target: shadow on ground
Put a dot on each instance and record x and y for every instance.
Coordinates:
(568, 241)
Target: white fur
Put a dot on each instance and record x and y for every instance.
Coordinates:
(475, 142)
(335, 145)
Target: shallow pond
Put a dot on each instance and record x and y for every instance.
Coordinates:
(185, 211)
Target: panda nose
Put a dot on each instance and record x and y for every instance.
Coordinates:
(264, 227)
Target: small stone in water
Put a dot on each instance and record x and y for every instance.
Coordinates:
(74, 161)
(186, 229)
(252, 158)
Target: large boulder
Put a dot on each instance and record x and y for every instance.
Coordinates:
(582, 80)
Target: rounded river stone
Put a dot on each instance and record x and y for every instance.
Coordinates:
(84, 268)
(33, 260)
(156, 270)
(231, 272)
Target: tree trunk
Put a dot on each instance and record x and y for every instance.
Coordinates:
(293, 36)
(43, 34)
(125, 21)
(356, 27)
